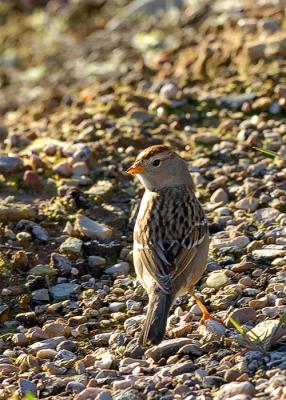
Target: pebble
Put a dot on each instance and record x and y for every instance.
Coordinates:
(25, 386)
(167, 348)
(270, 252)
(242, 316)
(71, 246)
(219, 196)
(239, 242)
(74, 387)
(218, 279)
(266, 216)
(249, 204)
(91, 229)
(46, 344)
(63, 169)
(48, 354)
(232, 389)
(63, 291)
(32, 180)
(41, 295)
(9, 164)
(121, 268)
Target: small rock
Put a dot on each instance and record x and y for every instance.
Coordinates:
(248, 203)
(63, 291)
(259, 303)
(212, 330)
(47, 354)
(121, 268)
(41, 295)
(207, 138)
(25, 386)
(50, 343)
(40, 233)
(91, 229)
(10, 164)
(54, 329)
(242, 315)
(266, 216)
(63, 169)
(71, 246)
(61, 263)
(41, 270)
(80, 169)
(265, 329)
(240, 242)
(96, 261)
(218, 279)
(167, 348)
(16, 212)
(168, 91)
(133, 323)
(32, 180)
(7, 369)
(232, 389)
(191, 349)
(74, 387)
(219, 196)
(270, 252)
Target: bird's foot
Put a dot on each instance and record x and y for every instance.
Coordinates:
(206, 315)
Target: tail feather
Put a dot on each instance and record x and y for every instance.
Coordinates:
(156, 320)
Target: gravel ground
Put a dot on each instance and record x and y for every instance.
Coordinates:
(82, 93)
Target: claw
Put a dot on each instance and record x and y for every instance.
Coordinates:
(206, 314)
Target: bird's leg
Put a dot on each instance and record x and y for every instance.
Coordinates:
(205, 312)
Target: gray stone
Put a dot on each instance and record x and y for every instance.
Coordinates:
(218, 279)
(91, 229)
(219, 196)
(134, 323)
(121, 268)
(10, 164)
(71, 246)
(248, 204)
(60, 262)
(74, 387)
(235, 101)
(232, 389)
(167, 348)
(266, 215)
(40, 233)
(96, 261)
(25, 386)
(62, 291)
(50, 343)
(41, 295)
(270, 252)
(239, 242)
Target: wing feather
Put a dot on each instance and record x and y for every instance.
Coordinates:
(167, 242)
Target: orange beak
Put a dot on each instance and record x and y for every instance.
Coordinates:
(135, 169)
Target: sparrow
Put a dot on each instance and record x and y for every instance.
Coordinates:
(171, 237)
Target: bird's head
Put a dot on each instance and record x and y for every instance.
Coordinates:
(159, 166)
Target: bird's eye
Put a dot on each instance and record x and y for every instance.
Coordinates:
(156, 163)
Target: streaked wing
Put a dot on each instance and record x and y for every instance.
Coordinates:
(170, 227)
